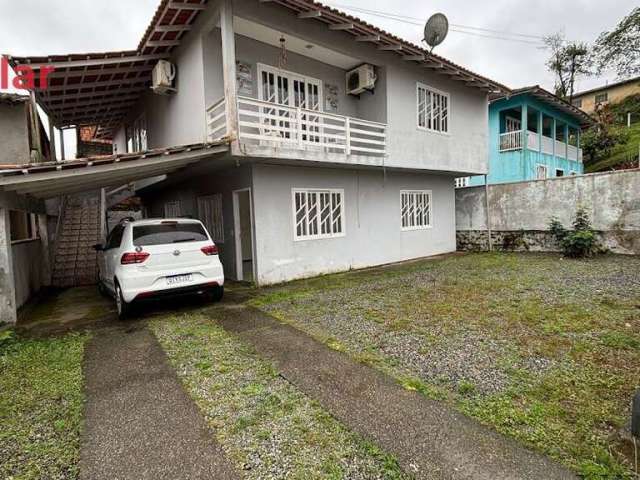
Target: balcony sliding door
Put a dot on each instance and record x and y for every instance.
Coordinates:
(294, 91)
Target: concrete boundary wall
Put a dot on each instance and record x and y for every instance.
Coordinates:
(519, 213)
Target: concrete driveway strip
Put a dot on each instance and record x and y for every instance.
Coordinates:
(429, 439)
(139, 422)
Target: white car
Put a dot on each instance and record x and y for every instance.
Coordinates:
(148, 259)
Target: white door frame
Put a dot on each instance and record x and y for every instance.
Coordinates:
(237, 231)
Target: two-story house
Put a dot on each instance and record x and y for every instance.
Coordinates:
(533, 135)
(343, 140)
(611, 93)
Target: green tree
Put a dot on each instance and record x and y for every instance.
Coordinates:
(599, 141)
(619, 49)
(567, 61)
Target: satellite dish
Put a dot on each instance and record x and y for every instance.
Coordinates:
(436, 29)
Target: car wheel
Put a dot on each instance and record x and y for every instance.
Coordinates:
(217, 293)
(122, 307)
(102, 289)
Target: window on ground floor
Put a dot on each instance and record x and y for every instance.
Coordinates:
(415, 209)
(318, 213)
(210, 213)
(462, 182)
(172, 209)
(23, 226)
(541, 172)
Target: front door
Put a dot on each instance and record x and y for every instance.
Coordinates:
(243, 222)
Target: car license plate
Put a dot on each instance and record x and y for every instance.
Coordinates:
(177, 279)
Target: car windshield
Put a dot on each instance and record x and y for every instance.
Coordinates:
(168, 232)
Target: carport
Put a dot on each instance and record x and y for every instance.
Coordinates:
(32, 184)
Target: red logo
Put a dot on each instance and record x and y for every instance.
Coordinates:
(25, 78)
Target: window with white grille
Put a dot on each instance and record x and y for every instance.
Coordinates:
(433, 109)
(415, 209)
(210, 213)
(318, 213)
(462, 182)
(172, 209)
(541, 172)
(136, 134)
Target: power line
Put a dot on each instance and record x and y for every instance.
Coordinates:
(458, 28)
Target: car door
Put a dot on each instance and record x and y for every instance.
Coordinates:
(111, 255)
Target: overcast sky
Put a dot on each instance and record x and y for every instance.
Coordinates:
(65, 26)
(41, 27)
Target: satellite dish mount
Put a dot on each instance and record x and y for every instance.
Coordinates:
(435, 30)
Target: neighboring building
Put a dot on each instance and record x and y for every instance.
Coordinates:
(24, 246)
(611, 93)
(532, 135)
(319, 175)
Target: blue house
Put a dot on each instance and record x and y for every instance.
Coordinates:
(533, 135)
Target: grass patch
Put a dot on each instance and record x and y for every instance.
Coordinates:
(41, 404)
(268, 427)
(541, 348)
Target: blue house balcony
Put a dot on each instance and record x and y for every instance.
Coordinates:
(533, 135)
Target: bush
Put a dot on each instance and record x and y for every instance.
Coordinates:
(579, 242)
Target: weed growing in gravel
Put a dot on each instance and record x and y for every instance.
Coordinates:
(542, 348)
(268, 427)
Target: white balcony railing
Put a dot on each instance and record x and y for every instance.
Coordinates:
(533, 142)
(547, 145)
(561, 149)
(217, 120)
(265, 124)
(513, 141)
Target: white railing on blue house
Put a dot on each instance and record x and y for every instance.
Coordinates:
(510, 141)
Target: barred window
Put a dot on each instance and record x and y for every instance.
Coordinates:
(210, 213)
(318, 213)
(462, 182)
(433, 109)
(415, 209)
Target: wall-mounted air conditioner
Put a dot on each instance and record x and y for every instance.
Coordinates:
(361, 79)
(162, 77)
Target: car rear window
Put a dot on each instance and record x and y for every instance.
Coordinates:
(170, 232)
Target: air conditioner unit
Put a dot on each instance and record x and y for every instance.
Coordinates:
(361, 79)
(162, 78)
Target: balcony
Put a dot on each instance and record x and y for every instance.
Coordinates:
(512, 141)
(274, 130)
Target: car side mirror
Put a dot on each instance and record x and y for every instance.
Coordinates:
(98, 247)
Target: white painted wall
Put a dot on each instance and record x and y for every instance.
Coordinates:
(180, 118)
(372, 216)
(27, 269)
(204, 183)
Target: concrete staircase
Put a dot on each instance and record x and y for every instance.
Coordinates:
(75, 261)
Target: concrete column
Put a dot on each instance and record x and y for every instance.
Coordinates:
(229, 72)
(539, 131)
(7, 284)
(43, 231)
(52, 141)
(553, 137)
(566, 141)
(61, 144)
